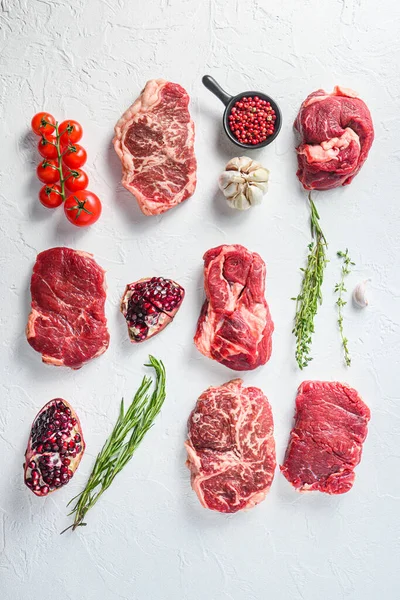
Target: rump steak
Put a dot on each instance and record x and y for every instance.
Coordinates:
(235, 326)
(67, 324)
(336, 135)
(326, 441)
(230, 447)
(154, 140)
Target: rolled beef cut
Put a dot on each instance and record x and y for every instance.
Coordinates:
(235, 326)
(326, 441)
(230, 447)
(154, 140)
(336, 134)
(67, 324)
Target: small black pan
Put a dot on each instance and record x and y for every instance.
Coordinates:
(229, 102)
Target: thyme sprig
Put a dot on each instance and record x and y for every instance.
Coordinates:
(310, 296)
(128, 432)
(340, 303)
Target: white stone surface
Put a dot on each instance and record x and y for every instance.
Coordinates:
(148, 538)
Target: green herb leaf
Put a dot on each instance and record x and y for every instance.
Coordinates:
(310, 296)
(340, 303)
(128, 432)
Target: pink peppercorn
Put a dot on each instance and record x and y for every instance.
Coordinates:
(252, 120)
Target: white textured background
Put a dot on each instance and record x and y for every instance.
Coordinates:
(148, 538)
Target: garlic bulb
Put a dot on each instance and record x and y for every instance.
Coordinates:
(244, 182)
(360, 294)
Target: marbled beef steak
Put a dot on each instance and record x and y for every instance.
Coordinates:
(230, 447)
(336, 134)
(326, 441)
(67, 324)
(154, 140)
(235, 326)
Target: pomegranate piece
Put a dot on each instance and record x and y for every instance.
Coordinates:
(149, 305)
(55, 448)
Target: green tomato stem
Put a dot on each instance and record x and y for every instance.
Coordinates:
(59, 160)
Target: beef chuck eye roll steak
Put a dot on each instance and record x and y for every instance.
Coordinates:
(326, 441)
(230, 447)
(67, 324)
(336, 134)
(235, 326)
(154, 140)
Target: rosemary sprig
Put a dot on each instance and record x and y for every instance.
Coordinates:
(340, 289)
(310, 293)
(126, 436)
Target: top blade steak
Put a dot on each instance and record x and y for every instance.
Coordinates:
(154, 140)
(336, 135)
(67, 324)
(231, 447)
(235, 326)
(325, 445)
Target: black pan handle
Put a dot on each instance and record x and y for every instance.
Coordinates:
(216, 89)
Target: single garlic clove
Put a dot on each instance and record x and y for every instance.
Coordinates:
(259, 175)
(240, 163)
(360, 294)
(254, 194)
(240, 202)
(231, 190)
(261, 185)
(254, 167)
(229, 177)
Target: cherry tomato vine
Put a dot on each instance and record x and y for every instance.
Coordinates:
(60, 169)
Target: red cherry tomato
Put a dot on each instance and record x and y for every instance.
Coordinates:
(46, 147)
(70, 132)
(76, 180)
(50, 196)
(75, 156)
(47, 171)
(82, 208)
(39, 125)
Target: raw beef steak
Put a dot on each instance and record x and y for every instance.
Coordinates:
(326, 441)
(67, 324)
(154, 140)
(336, 135)
(235, 326)
(230, 447)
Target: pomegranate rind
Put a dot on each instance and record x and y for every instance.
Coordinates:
(31, 453)
(162, 317)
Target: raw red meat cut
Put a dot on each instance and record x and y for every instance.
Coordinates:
(67, 324)
(336, 135)
(230, 447)
(154, 139)
(326, 441)
(235, 326)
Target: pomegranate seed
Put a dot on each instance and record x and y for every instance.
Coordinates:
(44, 489)
(32, 464)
